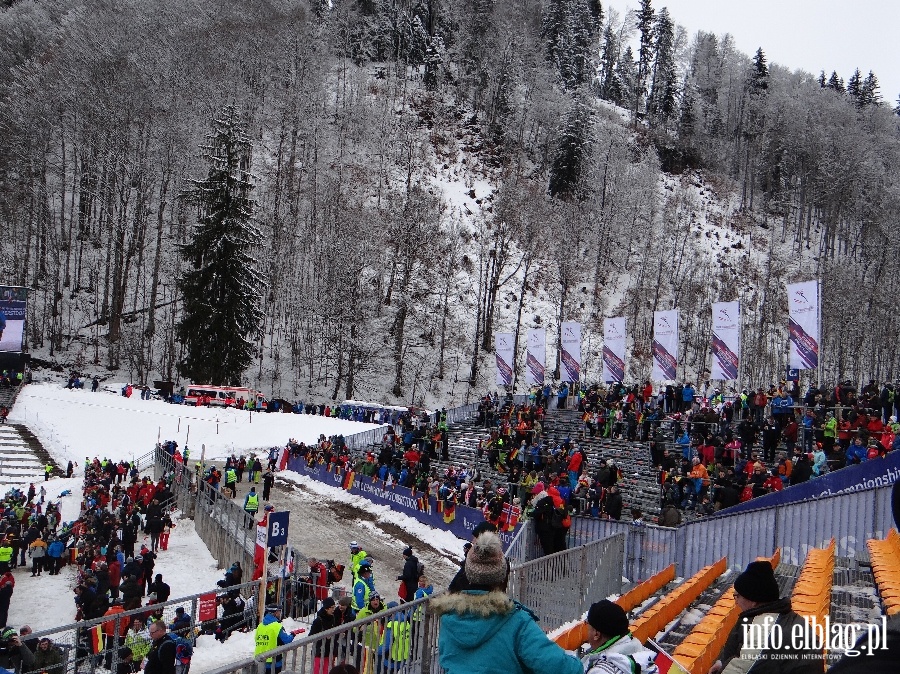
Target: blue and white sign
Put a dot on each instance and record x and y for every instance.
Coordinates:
(278, 529)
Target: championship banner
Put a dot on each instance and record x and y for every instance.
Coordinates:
(726, 339)
(537, 356)
(259, 552)
(665, 344)
(503, 348)
(12, 317)
(614, 349)
(570, 354)
(803, 317)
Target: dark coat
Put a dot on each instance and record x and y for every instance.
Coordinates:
(161, 658)
(322, 623)
(410, 576)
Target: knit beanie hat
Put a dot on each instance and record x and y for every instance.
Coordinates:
(608, 618)
(485, 563)
(757, 583)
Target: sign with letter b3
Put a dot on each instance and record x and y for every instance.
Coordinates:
(278, 529)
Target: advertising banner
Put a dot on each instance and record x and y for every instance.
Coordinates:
(665, 345)
(537, 356)
(459, 520)
(726, 339)
(503, 348)
(803, 318)
(614, 349)
(867, 475)
(570, 354)
(12, 317)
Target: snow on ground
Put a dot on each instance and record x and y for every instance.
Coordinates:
(436, 538)
(73, 424)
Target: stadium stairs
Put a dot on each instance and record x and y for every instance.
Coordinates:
(691, 618)
(22, 456)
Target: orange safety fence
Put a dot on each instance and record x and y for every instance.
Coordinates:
(669, 607)
(576, 635)
(702, 646)
(885, 557)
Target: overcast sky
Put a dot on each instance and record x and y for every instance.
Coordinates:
(811, 35)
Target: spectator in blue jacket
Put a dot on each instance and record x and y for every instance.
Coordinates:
(687, 397)
(856, 452)
(54, 553)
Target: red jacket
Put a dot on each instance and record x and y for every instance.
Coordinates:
(319, 575)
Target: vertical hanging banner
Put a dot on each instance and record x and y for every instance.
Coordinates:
(503, 348)
(726, 339)
(665, 344)
(570, 354)
(614, 349)
(803, 317)
(13, 301)
(537, 356)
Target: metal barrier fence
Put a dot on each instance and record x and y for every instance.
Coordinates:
(850, 519)
(556, 588)
(367, 438)
(76, 641)
(222, 524)
(562, 586)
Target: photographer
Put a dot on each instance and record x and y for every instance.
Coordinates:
(14, 655)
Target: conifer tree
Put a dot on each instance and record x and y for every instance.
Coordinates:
(609, 56)
(663, 90)
(645, 52)
(572, 150)
(220, 289)
(869, 91)
(836, 83)
(854, 85)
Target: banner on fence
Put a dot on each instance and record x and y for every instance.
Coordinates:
(208, 607)
(868, 475)
(803, 324)
(570, 353)
(665, 345)
(504, 350)
(726, 339)
(537, 356)
(614, 349)
(428, 510)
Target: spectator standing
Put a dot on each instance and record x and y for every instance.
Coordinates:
(410, 576)
(161, 656)
(613, 649)
(482, 624)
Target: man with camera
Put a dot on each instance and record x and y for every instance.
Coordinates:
(14, 655)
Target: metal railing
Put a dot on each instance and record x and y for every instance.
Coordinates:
(410, 645)
(367, 438)
(77, 641)
(222, 524)
(562, 586)
(849, 518)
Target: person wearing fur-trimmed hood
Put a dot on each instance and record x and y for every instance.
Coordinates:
(484, 631)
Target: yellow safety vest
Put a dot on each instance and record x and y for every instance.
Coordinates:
(252, 503)
(6, 553)
(400, 640)
(267, 638)
(355, 560)
(230, 475)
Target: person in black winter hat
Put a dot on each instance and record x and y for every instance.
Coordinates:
(410, 575)
(757, 595)
(614, 650)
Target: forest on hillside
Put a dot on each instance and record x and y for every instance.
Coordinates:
(426, 172)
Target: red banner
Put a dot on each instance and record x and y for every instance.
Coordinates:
(207, 610)
(259, 555)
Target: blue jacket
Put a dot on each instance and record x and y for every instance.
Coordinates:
(687, 394)
(55, 549)
(486, 633)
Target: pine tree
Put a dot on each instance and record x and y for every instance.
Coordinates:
(869, 91)
(220, 310)
(624, 79)
(572, 150)
(897, 109)
(569, 29)
(836, 83)
(609, 56)
(663, 90)
(854, 85)
(821, 80)
(645, 52)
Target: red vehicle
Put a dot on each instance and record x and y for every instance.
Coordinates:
(223, 396)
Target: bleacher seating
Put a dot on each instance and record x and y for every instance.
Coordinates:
(885, 557)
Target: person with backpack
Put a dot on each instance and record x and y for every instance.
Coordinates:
(412, 569)
(161, 656)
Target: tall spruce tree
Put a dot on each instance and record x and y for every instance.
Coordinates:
(572, 151)
(220, 309)
(663, 102)
(645, 52)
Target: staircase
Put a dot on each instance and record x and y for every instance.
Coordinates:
(22, 456)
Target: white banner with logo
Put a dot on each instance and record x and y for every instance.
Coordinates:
(503, 348)
(537, 356)
(803, 317)
(570, 354)
(614, 349)
(665, 345)
(726, 340)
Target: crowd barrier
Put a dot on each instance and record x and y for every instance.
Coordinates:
(222, 524)
(85, 649)
(557, 589)
(850, 518)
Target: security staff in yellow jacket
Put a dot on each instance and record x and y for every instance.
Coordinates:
(270, 635)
